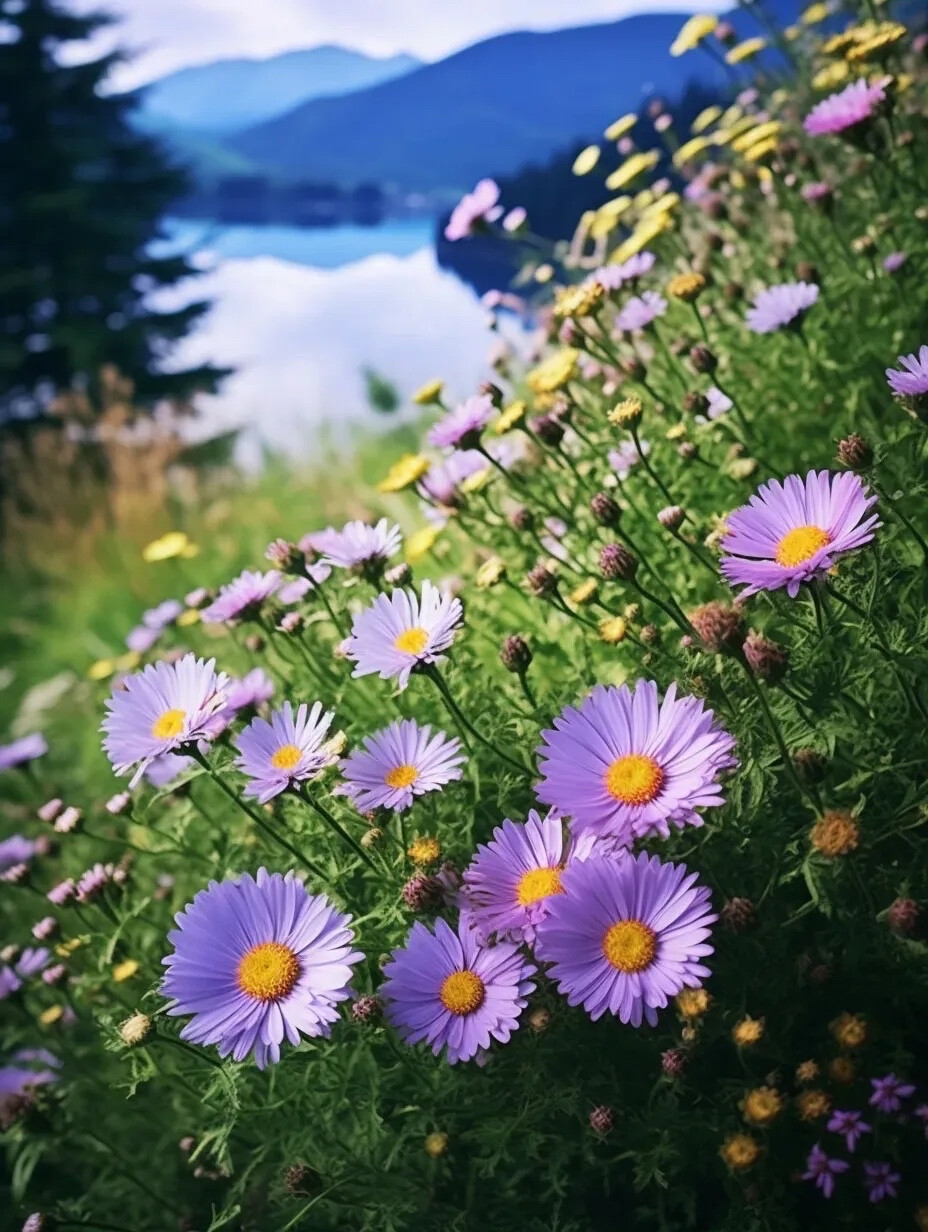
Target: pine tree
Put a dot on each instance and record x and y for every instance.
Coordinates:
(81, 199)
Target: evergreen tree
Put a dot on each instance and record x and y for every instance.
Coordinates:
(81, 199)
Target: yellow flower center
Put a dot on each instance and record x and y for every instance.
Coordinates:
(634, 779)
(169, 724)
(286, 757)
(462, 992)
(412, 641)
(801, 544)
(630, 946)
(268, 971)
(538, 883)
(401, 776)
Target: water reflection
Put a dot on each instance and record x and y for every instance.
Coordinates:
(299, 314)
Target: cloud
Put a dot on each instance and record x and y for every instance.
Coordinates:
(169, 34)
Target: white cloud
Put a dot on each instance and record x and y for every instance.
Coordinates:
(169, 34)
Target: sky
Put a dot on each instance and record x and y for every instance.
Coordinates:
(171, 34)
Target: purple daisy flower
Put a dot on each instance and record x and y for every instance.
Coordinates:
(164, 614)
(822, 1170)
(719, 404)
(636, 266)
(399, 763)
(894, 262)
(446, 989)
(360, 546)
(629, 766)
(850, 106)
(851, 1126)
(160, 710)
(256, 961)
(474, 210)
(26, 749)
(776, 307)
(791, 532)
(889, 1092)
(141, 639)
(287, 749)
(401, 631)
(9, 982)
(242, 598)
(442, 482)
(626, 936)
(20, 1076)
(17, 849)
(817, 192)
(627, 456)
(249, 692)
(641, 310)
(912, 381)
(511, 879)
(461, 428)
(880, 1181)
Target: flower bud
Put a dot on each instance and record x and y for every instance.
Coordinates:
(521, 518)
(367, 1009)
(768, 660)
(738, 914)
(605, 510)
(671, 517)
(398, 575)
(719, 626)
(634, 368)
(135, 1029)
(290, 622)
(515, 654)
(370, 838)
(673, 1062)
(695, 403)
(902, 916)
(810, 764)
(548, 429)
(617, 563)
(703, 359)
(855, 452)
(541, 581)
(422, 892)
(436, 1144)
(602, 1119)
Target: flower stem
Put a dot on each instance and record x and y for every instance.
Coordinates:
(337, 827)
(467, 726)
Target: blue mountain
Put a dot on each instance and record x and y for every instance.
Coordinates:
(494, 106)
(214, 99)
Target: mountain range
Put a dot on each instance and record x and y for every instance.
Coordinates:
(435, 128)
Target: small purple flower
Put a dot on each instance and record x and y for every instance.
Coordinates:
(161, 771)
(912, 381)
(627, 456)
(26, 749)
(779, 306)
(889, 1092)
(641, 310)
(474, 210)
(402, 631)
(242, 598)
(445, 989)
(791, 532)
(636, 266)
(15, 850)
(257, 961)
(31, 961)
(509, 883)
(851, 1125)
(161, 709)
(719, 404)
(63, 892)
(822, 1170)
(817, 192)
(359, 546)
(19, 1077)
(50, 809)
(9, 982)
(626, 935)
(249, 692)
(93, 882)
(298, 588)
(399, 763)
(164, 614)
(141, 639)
(45, 928)
(894, 262)
(461, 428)
(880, 1181)
(515, 219)
(851, 106)
(286, 750)
(444, 479)
(119, 803)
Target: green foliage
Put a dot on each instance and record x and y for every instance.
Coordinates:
(82, 199)
(359, 1132)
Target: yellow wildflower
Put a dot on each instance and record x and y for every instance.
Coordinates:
(125, 970)
(190, 617)
(51, 1015)
(577, 301)
(404, 472)
(618, 128)
(101, 670)
(740, 1151)
(491, 572)
(420, 543)
(693, 1002)
(509, 416)
(686, 287)
(585, 592)
(814, 15)
(748, 1031)
(693, 32)
(689, 150)
(627, 413)
(613, 630)
(850, 1030)
(760, 132)
(745, 51)
(167, 547)
(831, 75)
(429, 393)
(424, 850)
(813, 1105)
(586, 160)
(762, 1105)
(634, 165)
(835, 833)
(706, 118)
(554, 371)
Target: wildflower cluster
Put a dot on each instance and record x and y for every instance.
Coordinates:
(556, 828)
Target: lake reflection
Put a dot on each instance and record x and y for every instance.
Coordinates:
(300, 313)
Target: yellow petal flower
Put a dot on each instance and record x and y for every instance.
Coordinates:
(404, 472)
(100, 670)
(618, 128)
(745, 51)
(421, 542)
(706, 118)
(125, 970)
(693, 32)
(429, 393)
(174, 543)
(586, 160)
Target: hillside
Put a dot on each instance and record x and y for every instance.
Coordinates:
(227, 95)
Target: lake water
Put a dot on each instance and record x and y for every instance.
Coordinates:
(300, 313)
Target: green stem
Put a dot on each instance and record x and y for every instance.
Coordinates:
(336, 826)
(433, 672)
